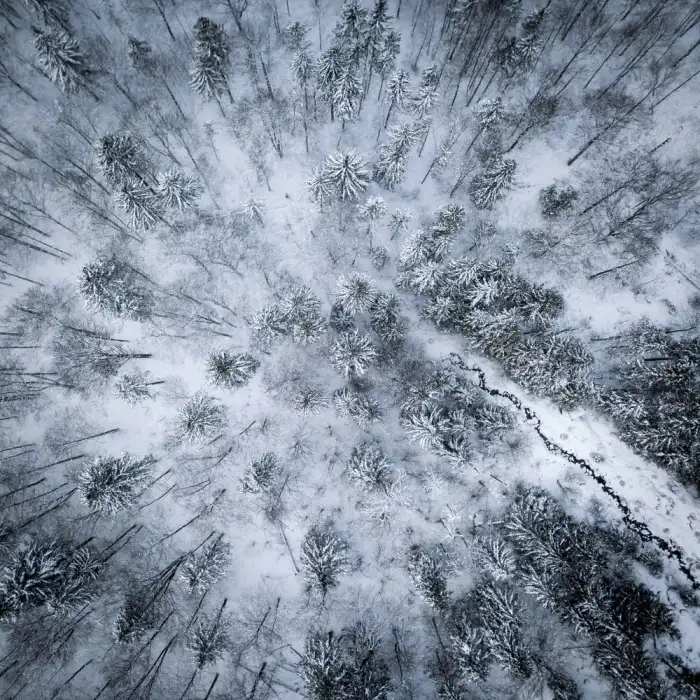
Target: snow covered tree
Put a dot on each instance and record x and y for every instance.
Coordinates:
(121, 157)
(364, 410)
(140, 54)
(385, 61)
(529, 43)
(134, 619)
(209, 640)
(51, 12)
(111, 484)
(200, 419)
(134, 387)
(372, 210)
(386, 319)
(356, 292)
(390, 168)
(369, 467)
(492, 185)
(398, 90)
(429, 427)
(261, 475)
(427, 573)
(139, 200)
(493, 557)
(379, 257)
(348, 91)
(322, 667)
(319, 186)
(331, 65)
(202, 569)
(347, 173)
(212, 59)
(177, 190)
(60, 56)
(352, 25)
(427, 96)
(109, 285)
(324, 557)
(554, 201)
(231, 370)
(295, 34)
(269, 324)
(304, 68)
(309, 401)
(375, 38)
(353, 353)
(399, 222)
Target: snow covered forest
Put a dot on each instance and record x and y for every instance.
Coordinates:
(350, 349)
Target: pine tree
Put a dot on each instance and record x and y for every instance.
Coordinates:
(379, 257)
(492, 185)
(309, 401)
(386, 320)
(322, 667)
(177, 190)
(353, 354)
(364, 410)
(398, 89)
(209, 640)
(202, 569)
(554, 201)
(120, 157)
(390, 167)
(428, 576)
(304, 69)
(324, 557)
(140, 202)
(320, 187)
(199, 419)
(369, 467)
(331, 65)
(111, 484)
(530, 41)
(356, 292)
(61, 58)
(377, 27)
(134, 619)
(352, 26)
(109, 285)
(134, 387)
(385, 61)
(295, 35)
(231, 370)
(212, 59)
(426, 97)
(269, 324)
(399, 222)
(347, 93)
(261, 475)
(347, 174)
(372, 210)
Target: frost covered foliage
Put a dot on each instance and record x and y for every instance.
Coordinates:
(203, 568)
(178, 190)
(344, 173)
(298, 313)
(140, 202)
(260, 477)
(356, 292)
(231, 370)
(447, 414)
(46, 574)
(61, 57)
(427, 572)
(556, 201)
(566, 567)
(493, 184)
(655, 399)
(200, 419)
(349, 665)
(120, 157)
(369, 467)
(111, 286)
(208, 640)
(353, 353)
(212, 59)
(309, 401)
(324, 557)
(111, 484)
(134, 387)
(364, 410)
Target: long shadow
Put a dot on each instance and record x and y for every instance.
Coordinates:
(670, 548)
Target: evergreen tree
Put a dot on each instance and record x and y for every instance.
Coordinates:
(390, 167)
(140, 202)
(322, 667)
(331, 66)
(176, 190)
(529, 43)
(60, 56)
(324, 557)
(492, 185)
(212, 59)
(369, 467)
(202, 569)
(260, 477)
(199, 419)
(351, 29)
(231, 370)
(304, 70)
(427, 95)
(347, 174)
(320, 186)
(208, 641)
(356, 292)
(399, 222)
(428, 576)
(109, 285)
(347, 93)
(379, 257)
(398, 90)
(309, 401)
(372, 210)
(385, 61)
(111, 484)
(140, 55)
(554, 201)
(386, 319)
(134, 387)
(120, 157)
(295, 35)
(134, 619)
(353, 354)
(364, 410)
(377, 27)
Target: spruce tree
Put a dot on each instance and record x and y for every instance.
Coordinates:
(309, 401)
(177, 190)
(134, 387)
(331, 65)
(212, 59)
(231, 370)
(208, 640)
(398, 89)
(260, 477)
(347, 93)
(61, 57)
(353, 353)
(139, 200)
(492, 185)
(356, 292)
(369, 467)
(203, 568)
(390, 168)
(120, 157)
(200, 419)
(346, 172)
(324, 557)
